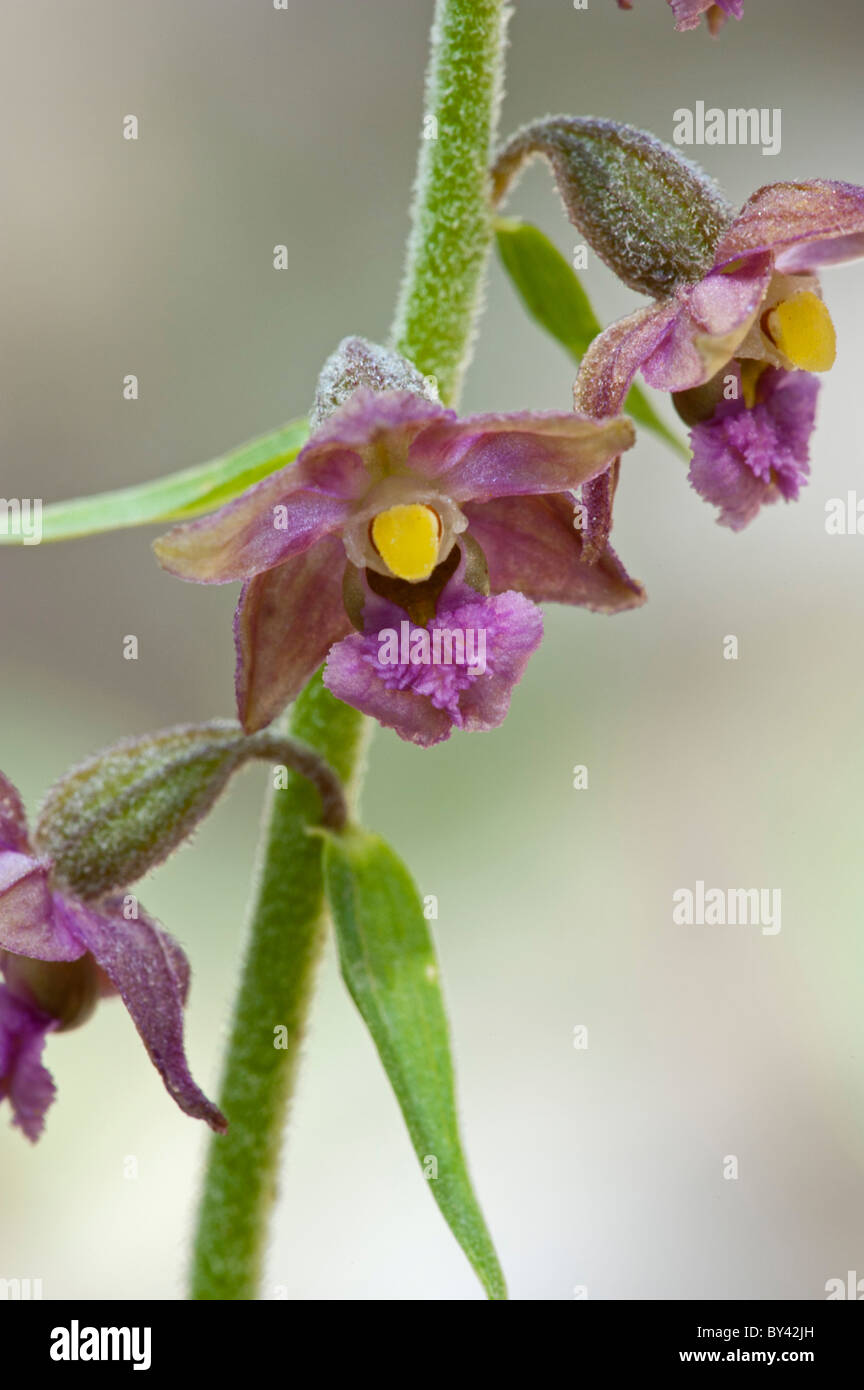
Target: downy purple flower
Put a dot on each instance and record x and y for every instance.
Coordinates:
(688, 13)
(736, 297)
(58, 954)
(68, 934)
(392, 497)
(757, 313)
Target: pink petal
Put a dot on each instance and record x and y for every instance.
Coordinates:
(30, 924)
(243, 538)
(616, 354)
(804, 225)
(531, 545)
(286, 621)
(677, 343)
(134, 955)
(487, 456)
(716, 316)
(726, 300)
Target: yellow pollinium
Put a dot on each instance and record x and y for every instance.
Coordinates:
(801, 328)
(407, 538)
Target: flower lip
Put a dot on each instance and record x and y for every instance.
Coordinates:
(745, 456)
(454, 669)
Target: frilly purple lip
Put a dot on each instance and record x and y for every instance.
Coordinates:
(421, 699)
(744, 459)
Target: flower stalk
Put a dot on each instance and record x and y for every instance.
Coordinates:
(440, 299)
(285, 940)
(451, 224)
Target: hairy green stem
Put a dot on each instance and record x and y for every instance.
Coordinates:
(451, 233)
(439, 302)
(285, 939)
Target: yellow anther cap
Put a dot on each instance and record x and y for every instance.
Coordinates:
(801, 328)
(407, 538)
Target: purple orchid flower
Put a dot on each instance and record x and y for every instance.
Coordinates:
(391, 497)
(727, 345)
(688, 13)
(58, 954)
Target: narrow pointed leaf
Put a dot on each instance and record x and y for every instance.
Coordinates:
(389, 965)
(177, 497)
(553, 295)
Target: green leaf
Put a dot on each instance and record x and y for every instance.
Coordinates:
(389, 965)
(553, 295)
(178, 497)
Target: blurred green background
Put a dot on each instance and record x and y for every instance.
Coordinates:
(600, 1168)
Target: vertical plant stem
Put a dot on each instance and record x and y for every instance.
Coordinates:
(285, 939)
(451, 231)
(440, 298)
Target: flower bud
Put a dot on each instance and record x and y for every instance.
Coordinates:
(109, 821)
(357, 363)
(651, 215)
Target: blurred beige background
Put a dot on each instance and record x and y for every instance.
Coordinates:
(603, 1167)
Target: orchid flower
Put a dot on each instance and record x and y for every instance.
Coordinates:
(396, 501)
(70, 934)
(738, 326)
(60, 952)
(738, 348)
